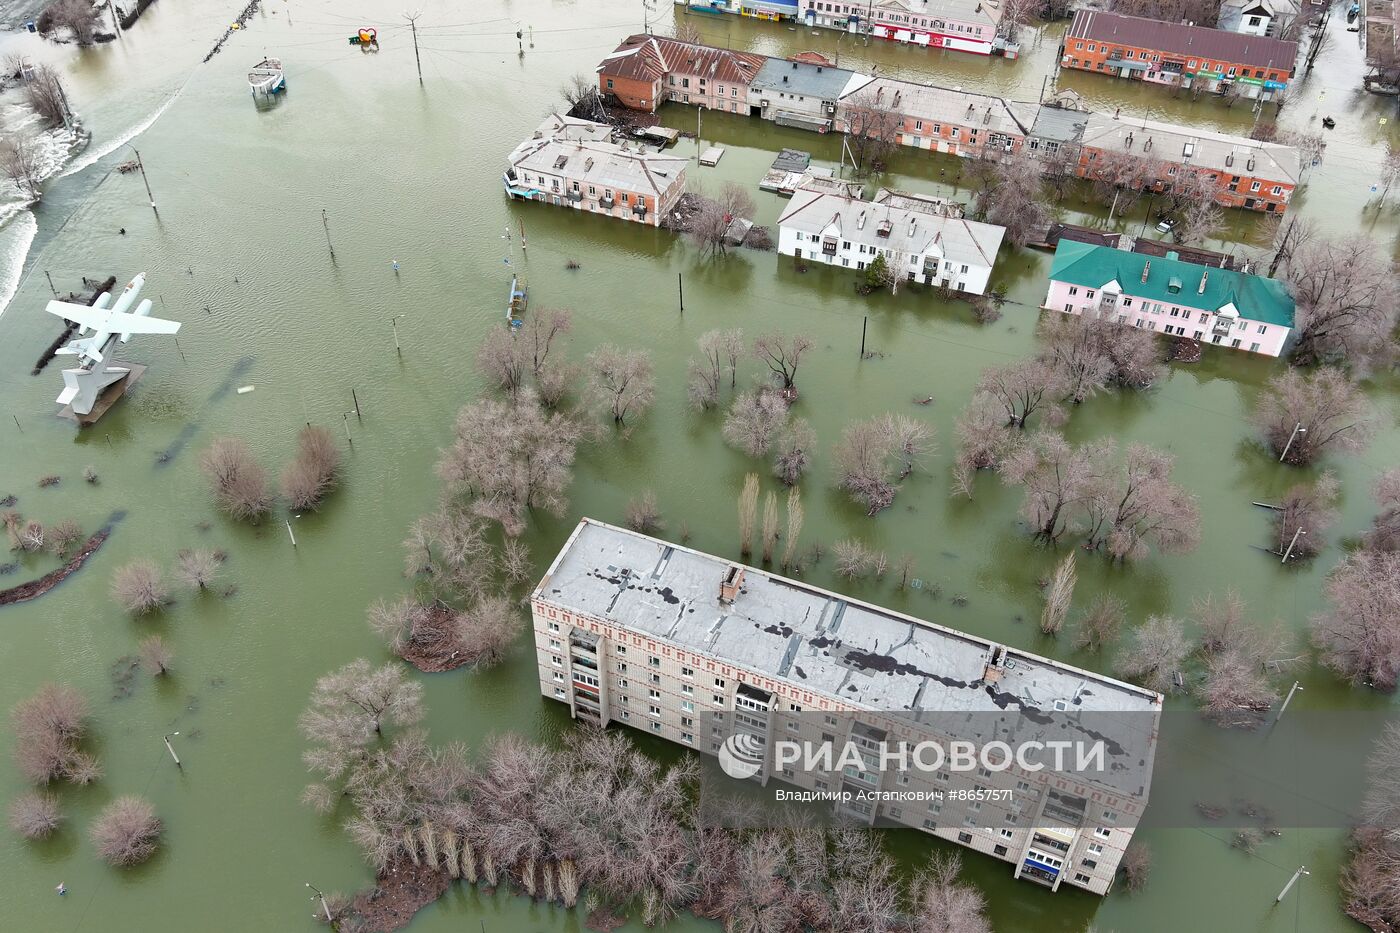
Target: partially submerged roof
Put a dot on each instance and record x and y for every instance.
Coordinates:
(1173, 281)
(1192, 146)
(584, 150)
(989, 113)
(805, 79)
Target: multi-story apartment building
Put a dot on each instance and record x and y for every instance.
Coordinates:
(802, 93)
(1282, 19)
(958, 122)
(922, 239)
(1258, 176)
(960, 25)
(585, 165)
(646, 71)
(1171, 296)
(690, 647)
(772, 10)
(1178, 54)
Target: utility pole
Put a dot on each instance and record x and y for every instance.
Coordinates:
(318, 894)
(1302, 870)
(1288, 699)
(394, 323)
(1297, 429)
(116, 21)
(1288, 552)
(325, 223)
(171, 749)
(680, 290)
(863, 321)
(413, 24)
(51, 285)
(289, 527)
(144, 179)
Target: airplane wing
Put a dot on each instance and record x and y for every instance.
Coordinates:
(111, 322)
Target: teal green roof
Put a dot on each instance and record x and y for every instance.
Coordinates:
(1254, 296)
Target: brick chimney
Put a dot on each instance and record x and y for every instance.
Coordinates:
(1146, 267)
(729, 586)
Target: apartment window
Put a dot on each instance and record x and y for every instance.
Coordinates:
(1007, 834)
(624, 700)
(557, 661)
(930, 824)
(1276, 190)
(625, 198)
(918, 124)
(1191, 64)
(654, 711)
(1254, 186)
(1235, 343)
(656, 678)
(687, 672)
(1254, 348)
(1197, 335)
(845, 244)
(829, 720)
(718, 699)
(719, 683)
(1089, 863)
(1073, 290)
(552, 626)
(622, 682)
(1022, 786)
(559, 691)
(1102, 832)
(1081, 878)
(688, 706)
(1110, 816)
(654, 661)
(1204, 317)
(622, 667)
(965, 838)
(983, 772)
(654, 694)
(554, 643)
(592, 191)
(626, 714)
(620, 649)
(559, 677)
(935, 806)
(687, 738)
(942, 776)
(792, 725)
(999, 850)
(688, 689)
(1089, 293)
(610, 84)
(656, 727)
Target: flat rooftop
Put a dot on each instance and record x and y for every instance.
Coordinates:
(841, 647)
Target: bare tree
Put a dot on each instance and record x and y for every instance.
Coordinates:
(49, 728)
(1155, 653)
(1137, 506)
(239, 481)
(31, 536)
(1285, 239)
(451, 549)
(138, 588)
(621, 382)
(872, 127)
(77, 16)
(1022, 389)
(346, 717)
(155, 656)
(770, 525)
(61, 538)
(19, 160)
(853, 559)
(1359, 632)
(1385, 527)
(748, 513)
(1200, 12)
(795, 516)
(488, 630)
(755, 420)
(688, 33)
(1120, 178)
(501, 360)
(1058, 596)
(1347, 301)
(35, 815)
(516, 566)
(584, 97)
(1371, 877)
(197, 568)
(946, 904)
(127, 831)
(1101, 623)
(397, 622)
(1304, 416)
(709, 229)
(643, 514)
(1058, 478)
(313, 472)
(782, 353)
(1307, 511)
(793, 452)
(874, 456)
(44, 94)
(719, 353)
(983, 440)
(1016, 198)
(1136, 865)
(508, 459)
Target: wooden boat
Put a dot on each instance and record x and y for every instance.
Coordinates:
(266, 77)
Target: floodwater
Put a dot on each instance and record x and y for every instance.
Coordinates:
(410, 171)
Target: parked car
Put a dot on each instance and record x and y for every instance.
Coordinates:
(1165, 224)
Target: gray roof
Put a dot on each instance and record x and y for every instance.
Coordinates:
(944, 104)
(1220, 152)
(1058, 124)
(852, 651)
(583, 150)
(819, 81)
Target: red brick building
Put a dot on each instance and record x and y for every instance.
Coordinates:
(646, 71)
(1177, 54)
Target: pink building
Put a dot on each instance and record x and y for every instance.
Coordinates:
(1171, 296)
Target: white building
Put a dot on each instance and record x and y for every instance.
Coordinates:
(585, 165)
(1259, 17)
(923, 239)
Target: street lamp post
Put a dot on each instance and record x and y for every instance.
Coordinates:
(1297, 429)
(1288, 552)
(171, 749)
(1302, 870)
(319, 896)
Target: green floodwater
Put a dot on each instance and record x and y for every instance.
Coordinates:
(411, 172)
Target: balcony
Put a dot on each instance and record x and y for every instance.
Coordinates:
(576, 196)
(829, 246)
(607, 202)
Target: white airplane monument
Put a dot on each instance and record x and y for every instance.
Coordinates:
(100, 330)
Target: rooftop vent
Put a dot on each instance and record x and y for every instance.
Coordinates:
(729, 587)
(860, 221)
(996, 665)
(1146, 268)
(884, 228)
(1249, 166)
(1205, 274)
(588, 165)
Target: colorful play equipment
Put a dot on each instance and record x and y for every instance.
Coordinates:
(366, 38)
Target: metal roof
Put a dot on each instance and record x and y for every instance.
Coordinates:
(585, 151)
(1257, 298)
(1219, 152)
(1186, 41)
(808, 80)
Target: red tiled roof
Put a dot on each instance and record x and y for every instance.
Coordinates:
(651, 57)
(1186, 41)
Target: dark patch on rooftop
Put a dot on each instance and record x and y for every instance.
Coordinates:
(869, 661)
(669, 596)
(783, 630)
